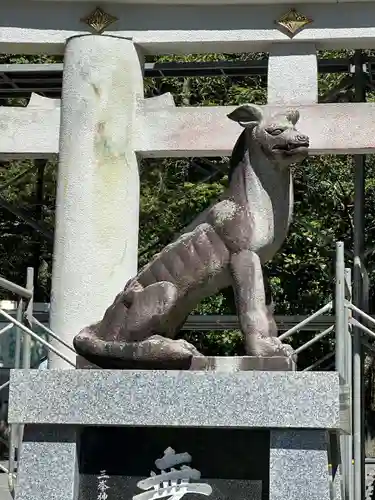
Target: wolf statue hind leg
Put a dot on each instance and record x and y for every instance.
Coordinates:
(138, 318)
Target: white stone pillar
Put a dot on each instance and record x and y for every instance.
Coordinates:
(292, 74)
(97, 202)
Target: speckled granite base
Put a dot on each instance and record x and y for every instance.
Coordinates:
(296, 409)
(299, 465)
(270, 399)
(48, 466)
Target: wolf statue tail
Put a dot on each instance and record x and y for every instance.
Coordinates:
(130, 335)
(112, 325)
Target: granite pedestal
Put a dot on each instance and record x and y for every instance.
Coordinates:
(253, 435)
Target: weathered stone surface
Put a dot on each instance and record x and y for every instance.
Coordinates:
(97, 196)
(34, 133)
(202, 131)
(225, 246)
(154, 353)
(212, 26)
(292, 77)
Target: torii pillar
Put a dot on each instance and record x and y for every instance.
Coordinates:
(97, 201)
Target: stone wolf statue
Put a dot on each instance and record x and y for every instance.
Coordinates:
(225, 246)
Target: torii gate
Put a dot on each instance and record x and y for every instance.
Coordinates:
(106, 125)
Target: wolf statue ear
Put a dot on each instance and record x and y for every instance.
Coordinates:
(292, 116)
(247, 115)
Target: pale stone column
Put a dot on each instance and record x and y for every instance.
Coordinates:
(97, 202)
(292, 74)
(293, 80)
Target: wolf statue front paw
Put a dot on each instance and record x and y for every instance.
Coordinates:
(268, 347)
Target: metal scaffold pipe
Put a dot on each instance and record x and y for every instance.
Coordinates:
(341, 350)
(358, 295)
(348, 364)
(340, 311)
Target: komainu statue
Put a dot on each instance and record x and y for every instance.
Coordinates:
(225, 246)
